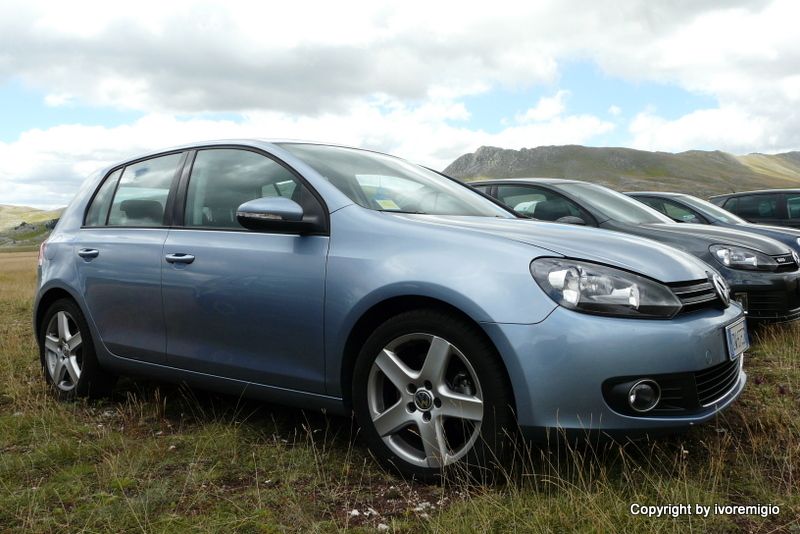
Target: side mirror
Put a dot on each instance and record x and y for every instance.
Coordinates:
(571, 219)
(272, 213)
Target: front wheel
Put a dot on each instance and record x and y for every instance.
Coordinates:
(431, 395)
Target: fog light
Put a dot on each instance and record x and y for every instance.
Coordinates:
(644, 395)
(741, 298)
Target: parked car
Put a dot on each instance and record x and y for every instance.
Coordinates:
(689, 209)
(342, 279)
(762, 273)
(778, 207)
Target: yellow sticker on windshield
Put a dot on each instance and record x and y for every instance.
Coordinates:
(387, 204)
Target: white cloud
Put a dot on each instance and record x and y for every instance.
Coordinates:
(390, 75)
(547, 108)
(44, 167)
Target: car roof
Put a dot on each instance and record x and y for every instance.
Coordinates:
(670, 194)
(495, 181)
(758, 192)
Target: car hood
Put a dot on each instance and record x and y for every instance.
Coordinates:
(612, 248)
(715, 235)
(772, 230)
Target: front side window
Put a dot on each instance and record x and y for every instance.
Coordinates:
(754, 206)
(538, 203)
(680, 213)
(142, 193)
(385, 183)
(223, 179)
(97, 213)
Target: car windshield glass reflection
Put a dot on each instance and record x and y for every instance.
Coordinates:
(385, 183)
(615, 206)
(714, 211)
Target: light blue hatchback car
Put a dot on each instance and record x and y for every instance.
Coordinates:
(342, 279)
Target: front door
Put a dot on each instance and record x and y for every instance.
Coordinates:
(238, 303)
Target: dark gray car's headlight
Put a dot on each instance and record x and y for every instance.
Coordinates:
(592, 288)
(741, 258)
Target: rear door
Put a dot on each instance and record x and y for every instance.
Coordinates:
(244, 304)
(119, 256)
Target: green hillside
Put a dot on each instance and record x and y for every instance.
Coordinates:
(698, 172)
(22, 227)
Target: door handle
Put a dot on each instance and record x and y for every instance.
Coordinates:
(88, 253)
(179, 257)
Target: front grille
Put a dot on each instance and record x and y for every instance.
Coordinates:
(773, 305)
(714, 383)
(786, 263)
(696, 295)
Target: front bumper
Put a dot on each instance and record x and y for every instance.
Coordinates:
(767, 297)
(558, 367)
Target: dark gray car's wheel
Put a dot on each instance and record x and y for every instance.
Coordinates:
(430, 394)
(67, 354)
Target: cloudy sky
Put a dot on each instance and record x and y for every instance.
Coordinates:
(83, 84)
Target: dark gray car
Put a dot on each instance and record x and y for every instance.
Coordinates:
(778, 207)
(763, 273)
(688, 209)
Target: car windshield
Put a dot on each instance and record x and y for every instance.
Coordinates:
(615, 206)
(714, 211)
(385, 183)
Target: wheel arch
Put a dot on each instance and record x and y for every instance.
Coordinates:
(388, 308)
(47, 298)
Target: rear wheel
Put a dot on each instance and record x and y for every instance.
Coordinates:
(67, 354)
(431, 396)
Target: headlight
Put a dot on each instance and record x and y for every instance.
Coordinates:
(601, 290)
(742, 258)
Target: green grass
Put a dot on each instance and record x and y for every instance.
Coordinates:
(11, 216)
(165, 458)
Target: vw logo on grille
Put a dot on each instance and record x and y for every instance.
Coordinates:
(423, 400)
(722, 289)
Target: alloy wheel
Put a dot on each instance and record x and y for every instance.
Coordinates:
(63, 351)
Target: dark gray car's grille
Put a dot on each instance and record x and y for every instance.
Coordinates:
(714, 383)
(786, 263)
(696, 295)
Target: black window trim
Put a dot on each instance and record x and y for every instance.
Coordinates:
(179, 207)
(166, 219)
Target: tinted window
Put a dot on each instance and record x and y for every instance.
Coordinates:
(793, 205)
(613, 205)
(754, 206)
(385, 183)
(142, 193)
(98, 209)
(224, 179)
(538, 203)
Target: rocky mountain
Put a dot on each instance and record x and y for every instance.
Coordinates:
(701, 173)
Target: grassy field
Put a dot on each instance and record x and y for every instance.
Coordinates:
(164, 458)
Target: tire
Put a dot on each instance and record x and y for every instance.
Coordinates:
(427, 374)
(67, 354)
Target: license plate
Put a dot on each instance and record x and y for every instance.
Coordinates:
(738, 341)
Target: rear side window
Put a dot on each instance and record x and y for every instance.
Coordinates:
(224, 179)
(98, 209)
(755, 206)
(793, 205)
(142, 193)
